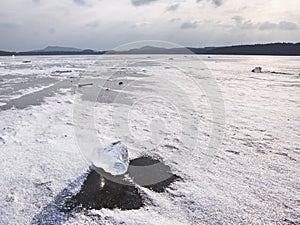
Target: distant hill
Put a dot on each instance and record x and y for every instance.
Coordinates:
(289, 49)
(258, 49)
(58, 49)
(152, 50)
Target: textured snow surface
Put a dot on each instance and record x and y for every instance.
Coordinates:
(252, 178)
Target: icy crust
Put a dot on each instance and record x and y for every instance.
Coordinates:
(39, 158)
(251, 179)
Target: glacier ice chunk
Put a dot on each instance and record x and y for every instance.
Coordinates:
(113, 158)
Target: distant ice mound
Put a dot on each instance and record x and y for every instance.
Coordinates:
(257, 70)
(113, 159)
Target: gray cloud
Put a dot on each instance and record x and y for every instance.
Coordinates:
(267, 26)
(172, 7)
(284, 25)
(215, 2)
(141, 2)
(61, 23)
(173, 20)
(244, 24)
(241, 23)
(79, 2)
(9, 25)
(238, 19)
(189, 25)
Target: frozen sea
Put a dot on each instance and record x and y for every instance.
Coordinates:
(233, 136)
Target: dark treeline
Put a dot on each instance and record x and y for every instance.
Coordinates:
(260, 49)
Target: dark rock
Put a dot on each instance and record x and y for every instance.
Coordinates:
(98, 192)
(101, 190)
(161, 170)
(257, 70)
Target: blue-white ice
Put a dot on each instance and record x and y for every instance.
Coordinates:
(113, 158)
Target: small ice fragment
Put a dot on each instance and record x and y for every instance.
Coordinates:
(2, 141)
(69, 102)
(113, 159)
(257, 70)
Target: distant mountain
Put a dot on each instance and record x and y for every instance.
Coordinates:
(59, 49)
(258, 49)
(153, 50)
(290, 49)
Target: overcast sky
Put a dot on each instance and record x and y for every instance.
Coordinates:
(105, 24)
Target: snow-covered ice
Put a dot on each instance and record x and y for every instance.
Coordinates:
(252, 177)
